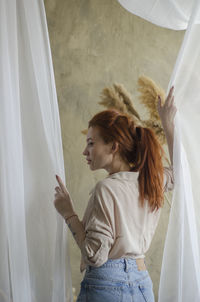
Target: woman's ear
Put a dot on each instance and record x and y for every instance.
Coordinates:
(115, 147)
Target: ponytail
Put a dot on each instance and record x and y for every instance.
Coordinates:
(148, 161)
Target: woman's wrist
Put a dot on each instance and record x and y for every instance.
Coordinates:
(76, 228)
(168, 125)
(69, 217)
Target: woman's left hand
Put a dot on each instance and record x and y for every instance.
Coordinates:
(167, 111)
(63, 202)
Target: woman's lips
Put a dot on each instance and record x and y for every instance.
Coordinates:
(88, 161)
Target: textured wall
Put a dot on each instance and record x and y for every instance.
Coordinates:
(95, 43)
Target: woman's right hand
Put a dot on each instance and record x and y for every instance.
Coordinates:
(63, 202)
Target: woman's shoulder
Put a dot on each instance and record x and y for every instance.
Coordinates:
(101, 185)
(104, 184)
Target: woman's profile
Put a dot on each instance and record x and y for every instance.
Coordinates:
(124, 208)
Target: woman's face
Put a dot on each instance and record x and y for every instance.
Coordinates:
(99, 155)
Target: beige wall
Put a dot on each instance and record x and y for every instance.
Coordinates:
(95, 43)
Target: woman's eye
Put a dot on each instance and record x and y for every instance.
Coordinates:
(90, 144)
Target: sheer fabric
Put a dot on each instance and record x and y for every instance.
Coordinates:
(179, 281)
(173, 14)
(33, 264)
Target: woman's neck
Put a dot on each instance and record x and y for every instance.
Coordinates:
(118, 166)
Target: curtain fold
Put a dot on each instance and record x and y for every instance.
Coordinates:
(33, 243)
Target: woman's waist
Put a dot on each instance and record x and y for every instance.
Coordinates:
(126, 264)
(118, 270)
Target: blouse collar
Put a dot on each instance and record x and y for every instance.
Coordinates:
(125, 175)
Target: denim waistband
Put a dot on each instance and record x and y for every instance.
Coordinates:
(124, 263)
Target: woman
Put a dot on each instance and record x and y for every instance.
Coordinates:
(124, 208)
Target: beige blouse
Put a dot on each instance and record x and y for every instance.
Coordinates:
(116, 225)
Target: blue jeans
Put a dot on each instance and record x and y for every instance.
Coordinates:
(117, 280)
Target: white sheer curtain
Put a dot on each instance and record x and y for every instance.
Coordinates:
(34, 266)
(172, 14)
(180, 274)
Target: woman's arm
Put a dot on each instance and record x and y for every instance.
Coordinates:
(167, 113)
(96, 239)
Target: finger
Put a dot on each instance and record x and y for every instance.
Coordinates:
(171, 101)
(57, 189)
(171, 91)
(61, 184)
(56, 195)
(169, 95)
(174, 111)
(159, 103)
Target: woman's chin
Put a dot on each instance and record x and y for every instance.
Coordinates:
(92, 168)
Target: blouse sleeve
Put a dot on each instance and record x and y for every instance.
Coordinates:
(99, 234)
(168, 179)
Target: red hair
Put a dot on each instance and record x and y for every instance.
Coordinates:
(139, 147)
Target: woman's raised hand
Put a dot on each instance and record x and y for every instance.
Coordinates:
(167, 111)
(63, 202)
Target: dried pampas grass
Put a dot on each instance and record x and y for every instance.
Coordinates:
(118, 98)
(126, 98)
(85, 131)
(111, 99)
(149, 92)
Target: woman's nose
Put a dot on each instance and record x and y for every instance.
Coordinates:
(85, 152)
